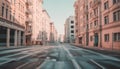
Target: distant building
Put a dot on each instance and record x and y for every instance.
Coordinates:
(70, 29)
(98, 23)
(37, 23)
(53, 33)
(45, 34)
(12, 22)
(61, 38)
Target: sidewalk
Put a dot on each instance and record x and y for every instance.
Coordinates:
(11, 47)
(101, 50)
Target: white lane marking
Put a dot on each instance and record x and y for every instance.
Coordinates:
(73, 61)
(36, 50)
(11, 51)
(22, 65)
(97, 64)
(47, 58)
(7, 61)
(105, 56)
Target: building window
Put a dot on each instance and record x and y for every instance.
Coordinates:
(106, 37)
(72, 26)
(95, 23)
(72, 35)
(91, 38)
(115, 1)
(2, 11)
(76, 31)
(116, 36)
(72, 21)
(116, 16)
(91, 14)
(90, 25)
(10, 15)
(90, 4)
(6, 12)
(72, 31)
(106, 5)
(106, 20)
(96, 11)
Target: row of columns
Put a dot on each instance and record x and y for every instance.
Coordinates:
(18, 39)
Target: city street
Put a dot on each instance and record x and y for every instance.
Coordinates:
(55, 56)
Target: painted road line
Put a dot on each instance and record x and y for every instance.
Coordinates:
(11, 51)
(76, 65)
(22, 65)
(46, 60)
(6, 61)
(97, 64)
(105, 56)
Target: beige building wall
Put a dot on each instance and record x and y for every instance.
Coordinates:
(13, 14)
(37, 20)
(53, 33)
(46, 25)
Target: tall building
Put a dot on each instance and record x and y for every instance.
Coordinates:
(98, 23)
(37, 23)
(45, 27)
(29, 21)
(53, 33)
(12, 22)
(110, 24)
(70, 29)
(61, 38)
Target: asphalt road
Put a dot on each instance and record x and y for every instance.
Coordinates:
(56, 56)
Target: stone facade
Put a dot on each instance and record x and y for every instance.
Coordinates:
(98, 23)
(12, 22)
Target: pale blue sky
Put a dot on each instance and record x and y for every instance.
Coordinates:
(59, 11)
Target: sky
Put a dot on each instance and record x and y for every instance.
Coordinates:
(59, 11)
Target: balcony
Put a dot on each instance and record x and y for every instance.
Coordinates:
(115, 6)
(93, 17)
(95, 3)
(29, 11)
(29, 2)
(28, 30)
(96, 28)
(29, 20)
(86, 11)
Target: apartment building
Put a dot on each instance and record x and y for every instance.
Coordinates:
(45, 27)
(12, 22)
(70, 29)
(100, 24)
(80, 22)
(110, 24)
(37, 23)
(53, 33)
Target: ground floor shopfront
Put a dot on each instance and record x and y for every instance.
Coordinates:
(108, 38)
(11, 34)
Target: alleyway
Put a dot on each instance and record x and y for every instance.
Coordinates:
(55, 56)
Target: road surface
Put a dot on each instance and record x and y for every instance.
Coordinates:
(55, 56)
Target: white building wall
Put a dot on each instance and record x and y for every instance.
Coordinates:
(69, 37)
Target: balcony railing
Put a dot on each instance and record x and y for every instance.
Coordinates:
(96, 28)
(29, 11)
(115, 6)
(2, 20)
(28, 30)
(95, 3)
(29, 20)
(29, 2)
